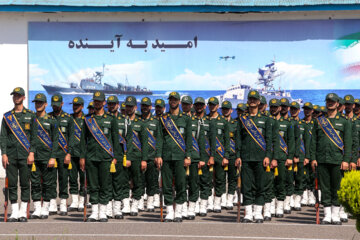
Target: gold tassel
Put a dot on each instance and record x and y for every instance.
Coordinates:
(276, 172)
(33, 167)
(211, 168)
(124, 160)
(112, 168)
(55, 164)
(226, 168)
(70, 166)
(199, 172)
(295, 167)
(304, 172)
(290, 168)
(268, 169)
(187, 171)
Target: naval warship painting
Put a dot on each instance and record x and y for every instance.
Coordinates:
(94, 83)
(238, 93)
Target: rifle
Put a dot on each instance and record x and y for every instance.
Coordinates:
(238, 190)
(6, 201)
(85, 196)
(317, 204)
(161, 197)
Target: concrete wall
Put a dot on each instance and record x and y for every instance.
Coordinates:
(14, 36)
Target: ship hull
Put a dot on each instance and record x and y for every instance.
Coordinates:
(114, 92)
(51, 90)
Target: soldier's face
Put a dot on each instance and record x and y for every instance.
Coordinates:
(159, 110)
(91, 110)
(98, 105)
(331, 105)
(57, 108)
(186, 107)
(262, 107)
(130, 110)
(274, 110)
(123, 111)
(349, 107)
(18, 99)
(40, 106)
(199, 108)
(77, 108)
(340, 107)
(294, 112)
(112, 107)
(213, 107)
(253, 102)
(174, 103)
(357, 109)
(226, 112)
(145, 109)
(316, 114)
(239, 112)
(284, 110)
(308, 112)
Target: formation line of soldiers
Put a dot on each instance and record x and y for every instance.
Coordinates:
(198, 156)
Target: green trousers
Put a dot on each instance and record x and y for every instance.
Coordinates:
(299, 178)
(309, 178)
(63, 178)
(98, 174)
(232, 178)
(279, 181)
(252, 183)
(205, 183)
(16, 168)
(329, 178)
(193, 182)
(76, 175)
(119, 183)
(136, 176)
(173, 169)
(269, 194)
(220, 177)
(289, 181)
(43, 182)
(151, 179)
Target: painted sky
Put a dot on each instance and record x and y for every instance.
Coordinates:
(304, 52)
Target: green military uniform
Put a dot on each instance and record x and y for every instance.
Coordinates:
(356, 123)
(349, 99)
(16, 153)
(66, 127)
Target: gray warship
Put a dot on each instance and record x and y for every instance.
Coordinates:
(94, 83)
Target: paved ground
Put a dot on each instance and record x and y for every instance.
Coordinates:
(298, 225)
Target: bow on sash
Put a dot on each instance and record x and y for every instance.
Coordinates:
(151, 139)
(17, 130)
(136, 141)
(283, 145)
(330, 132)
(174, 132)
(220, 148)
(43, 135)
(253, 131)
(77, 130)
(99, 135)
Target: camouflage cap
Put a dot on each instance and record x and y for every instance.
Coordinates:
(99, 96)
(78, 100)
(160, 103)
(18, 90)
(40, 97)
(112, 99)
(323, 109)
(333, 97)
(213, 100)
(295, 105)
(263, 100)
(146, 101)
(130, 101)
(175, 95)
(357, 101)
(241, 106)
(91, 105)
(308, 105)
(226, 104)
(316, 108)
(199, 100)
(284, 102)
(349, 99)
(274, 102)
(56, 100)
(254, 94)
(186, 99)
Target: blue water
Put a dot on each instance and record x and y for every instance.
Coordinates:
(313, 96)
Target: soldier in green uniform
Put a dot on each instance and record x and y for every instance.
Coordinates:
(316, 111)
(357, 124)
(323, 110)
(173, 155)
(76, 175)
(220, 161)
(263, 105)
(302, 145)
(240, 109)
(341, 106)
(137, 153)
(331, 155)
(43, 177)
(90, 108)
(287, 129)
(122, 109)
(253, 153)
(357, 107)
(17, 155)
(99, 152)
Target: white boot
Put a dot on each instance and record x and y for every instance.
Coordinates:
(184, 211)
(102, 213)
(23, 212)
(145, 197)
(94, 213)
(235, 199)
(74, 203)
(45, 210)
(53, 207)
(117, 210)
(150, 204)
(279, 209)
(81, 204)
(178, 212)
(272, 207)
(304, 200)
(191, 211)
(134, 207)
(248, 214)
(63, 207)
(126, 206)
(229, 202)
(217, 205)
(203, 205)
(141, 207)
(267, 212)
(287, 208)
(210, 205)
(157, 200)
(292, 201)
(297, 203)
(312, 199)
(109, 209)
(258, 217)
(343, 215)
(197, 207)
(327, 216)
(37, 210)
(14, 212)
(223, 201)
(335, 215)
(169, 214)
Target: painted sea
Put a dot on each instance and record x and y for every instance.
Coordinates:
(313, 96)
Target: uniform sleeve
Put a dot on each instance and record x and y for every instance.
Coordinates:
(201, 141)
(3, 137)
(54, 138)
(291, 141)
(226, 140)
(71, 136)
(297, 139)
(128, 136)
(313, 142)
(83, 140)
(212, 138)
(33, 133)
(144, 142)
(188, 140)
(118, 151)
(159, 140)
(238, 139)
(355, 143)
(268, 138)
(275, 140)
(347, 141)
(307, 140)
